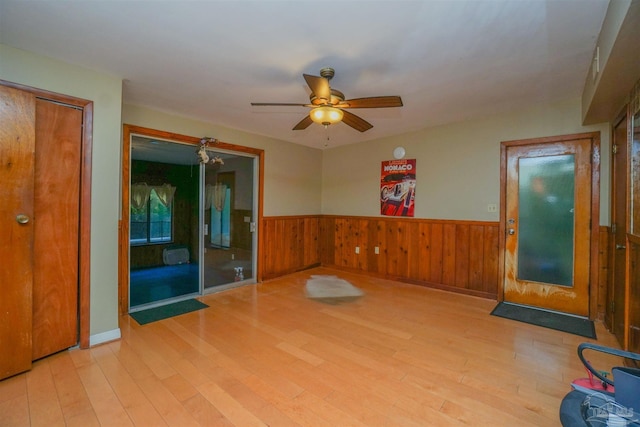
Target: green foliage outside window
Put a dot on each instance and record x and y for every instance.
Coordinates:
(152, 223)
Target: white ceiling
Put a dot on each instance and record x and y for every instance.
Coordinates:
(449, 60)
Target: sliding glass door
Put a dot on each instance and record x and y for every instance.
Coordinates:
(191, 225)
(163, 223)
(228, 220)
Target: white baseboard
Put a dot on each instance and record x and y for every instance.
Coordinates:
(104, 337)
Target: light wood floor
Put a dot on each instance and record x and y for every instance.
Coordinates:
(402, 355)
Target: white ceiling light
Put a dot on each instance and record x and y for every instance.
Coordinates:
(326, 115)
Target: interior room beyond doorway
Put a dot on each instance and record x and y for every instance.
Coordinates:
(191, 223)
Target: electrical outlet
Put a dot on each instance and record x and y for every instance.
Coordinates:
(492, 207)
(357, 249)
(376, 250)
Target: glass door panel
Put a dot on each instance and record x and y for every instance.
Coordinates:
(228, 221)
(546, 197)
(163, 255)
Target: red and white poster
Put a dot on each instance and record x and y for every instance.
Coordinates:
(397, 187)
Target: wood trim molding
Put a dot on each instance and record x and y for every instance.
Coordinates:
(85, 226)
(407, 219)
(595, 223)
(123, 226)
(259, 230)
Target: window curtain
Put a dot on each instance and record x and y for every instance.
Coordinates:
(221, 221)
(165, 193)
(140, 195)
(219, 192)
(208, 196)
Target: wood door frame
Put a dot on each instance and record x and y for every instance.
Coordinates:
(123, 226)
(84, 252)
(595, 207)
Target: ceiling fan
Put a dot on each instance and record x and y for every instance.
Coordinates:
(329, 106)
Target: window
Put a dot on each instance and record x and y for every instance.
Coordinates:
(152, 223)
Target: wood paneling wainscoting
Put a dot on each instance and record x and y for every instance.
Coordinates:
(290, 243)
(460, 256)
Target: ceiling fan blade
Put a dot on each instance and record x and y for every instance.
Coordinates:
(358, 123)
(372, 102)
(304, 123)
(279, 104)
(319, 86)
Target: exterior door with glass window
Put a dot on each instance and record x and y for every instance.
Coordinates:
(547, 224)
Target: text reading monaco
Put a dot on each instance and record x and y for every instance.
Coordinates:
(398, 168)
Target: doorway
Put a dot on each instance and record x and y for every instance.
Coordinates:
(46, 146)
(163, 221)
(550, 214)
(229, 222)
(193, 241)
(615, 308)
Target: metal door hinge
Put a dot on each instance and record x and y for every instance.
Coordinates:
(614, 228)
(614, 148)
(613, 306)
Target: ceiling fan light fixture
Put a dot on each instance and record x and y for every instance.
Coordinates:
(326, 115)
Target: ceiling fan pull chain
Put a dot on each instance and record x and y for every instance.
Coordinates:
(326, 144)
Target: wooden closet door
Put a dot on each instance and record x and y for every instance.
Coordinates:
(17, 143)
(56, 227)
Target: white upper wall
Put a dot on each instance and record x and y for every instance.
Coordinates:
(457, 165)
(292, 172)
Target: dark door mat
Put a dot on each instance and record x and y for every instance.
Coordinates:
(165, 311)
(547, 319)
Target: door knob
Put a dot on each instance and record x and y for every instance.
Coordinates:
(512, 231)
(621, 247)
(22, 218)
